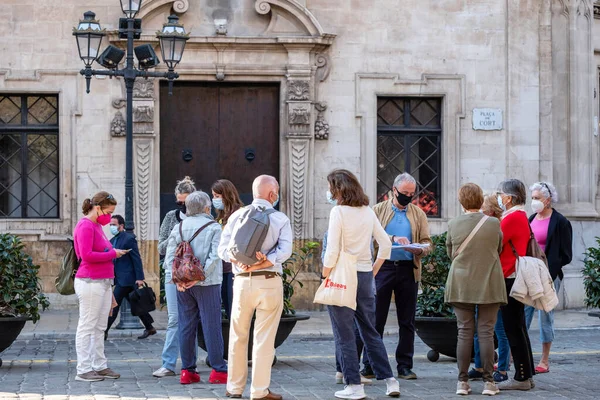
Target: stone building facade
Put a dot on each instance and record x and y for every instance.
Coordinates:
(452, 91)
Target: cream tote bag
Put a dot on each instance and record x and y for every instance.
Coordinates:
(339, 289)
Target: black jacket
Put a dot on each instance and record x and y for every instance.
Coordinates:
(559, 244)
(128, 268)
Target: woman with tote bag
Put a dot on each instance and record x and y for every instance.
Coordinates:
(348, 288)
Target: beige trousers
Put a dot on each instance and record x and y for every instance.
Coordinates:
(265, 296)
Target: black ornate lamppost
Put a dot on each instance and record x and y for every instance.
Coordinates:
(172, 43)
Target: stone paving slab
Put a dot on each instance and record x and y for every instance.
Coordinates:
(45, 369)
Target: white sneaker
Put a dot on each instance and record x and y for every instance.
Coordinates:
(463, 388)
(339, 378)
(352, 392)
(393, 387)
(162, 372)
(490, 389)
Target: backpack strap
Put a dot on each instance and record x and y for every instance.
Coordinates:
(199, 230)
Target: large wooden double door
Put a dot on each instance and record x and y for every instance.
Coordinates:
(213, 131)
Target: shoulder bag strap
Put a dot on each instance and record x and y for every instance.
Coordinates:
(200, 230)
(471, 235)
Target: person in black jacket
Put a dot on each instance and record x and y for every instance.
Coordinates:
(129, 273)
(554, 234)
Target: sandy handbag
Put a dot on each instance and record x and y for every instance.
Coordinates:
(339, 288)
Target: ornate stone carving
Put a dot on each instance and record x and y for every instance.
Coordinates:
(597, 9)
(119, 103)
(321, 126)
(143, 113)
(298, 90)
(323, 66)
(149, 6)
(117, 126)
(299, 114)
(143, 164)
(143, 89)
(293, 8)
(299, 160)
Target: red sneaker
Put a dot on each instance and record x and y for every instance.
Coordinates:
(188, 377)
(217, 377)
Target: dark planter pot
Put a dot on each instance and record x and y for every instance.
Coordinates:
(10, 327)
(441, 334)
(594, 314)
(286, 325)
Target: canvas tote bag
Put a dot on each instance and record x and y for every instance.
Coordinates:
(339, 289)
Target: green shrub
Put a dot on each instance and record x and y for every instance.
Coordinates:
(591, 276)
(20, 290)
(434, 273)
(291, 268)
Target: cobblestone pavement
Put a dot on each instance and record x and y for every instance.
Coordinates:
(45, 369)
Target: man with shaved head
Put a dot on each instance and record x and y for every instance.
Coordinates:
(256, 288)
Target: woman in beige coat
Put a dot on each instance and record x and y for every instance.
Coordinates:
(475, 281)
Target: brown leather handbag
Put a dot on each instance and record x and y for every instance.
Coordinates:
(186, 266)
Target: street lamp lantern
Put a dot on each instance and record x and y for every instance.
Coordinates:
(89, 36)
(172, 41)
(131, 7)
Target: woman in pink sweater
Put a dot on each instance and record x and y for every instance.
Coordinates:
(93, 287)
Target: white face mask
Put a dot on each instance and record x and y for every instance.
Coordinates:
(537, 206)
(500, 203)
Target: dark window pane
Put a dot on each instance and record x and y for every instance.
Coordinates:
(390, 112)
(425, 113)
(10, 175)
(10, 110)
(42, 110)
(42, 171)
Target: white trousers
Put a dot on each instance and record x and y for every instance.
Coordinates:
(95, 299)
(265, 296)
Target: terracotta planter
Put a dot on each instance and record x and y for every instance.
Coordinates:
(286, 325)
(10, 327)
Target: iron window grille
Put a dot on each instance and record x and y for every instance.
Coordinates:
(29, 180)
(409, 139)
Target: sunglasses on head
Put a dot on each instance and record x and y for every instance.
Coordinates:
(109, 197)
(544, 184)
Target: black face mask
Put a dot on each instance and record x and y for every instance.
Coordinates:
(182, 207)
(402, 199)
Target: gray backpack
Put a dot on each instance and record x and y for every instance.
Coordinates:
(252, 228)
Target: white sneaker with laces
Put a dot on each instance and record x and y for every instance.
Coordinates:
(393, 387)
(162, 372)
(463, 388)
(490, 389)
(352, 392)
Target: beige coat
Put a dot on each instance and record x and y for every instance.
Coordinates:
(418, 225)
(475, 275)
(533, 285)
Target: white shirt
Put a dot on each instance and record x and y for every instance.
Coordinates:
(280, 233)
(357, 226)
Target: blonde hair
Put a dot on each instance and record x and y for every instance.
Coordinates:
(185, 186)
(490, 205)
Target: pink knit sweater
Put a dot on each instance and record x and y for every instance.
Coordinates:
(94, 250)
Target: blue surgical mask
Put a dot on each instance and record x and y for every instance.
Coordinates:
(114, 230)
(218, 204)
(330, 199)
(500, 204)
(276, 201)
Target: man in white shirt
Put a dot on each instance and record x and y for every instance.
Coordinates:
(257, 288)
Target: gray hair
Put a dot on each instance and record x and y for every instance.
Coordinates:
(185, 186)
(404, 177)
(197, 203)
(547, 190)
(515, 189)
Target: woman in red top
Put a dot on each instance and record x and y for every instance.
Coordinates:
(515, 229)
(93, 287)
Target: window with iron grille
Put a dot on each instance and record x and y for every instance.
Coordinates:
(409, 139)
(28, 156)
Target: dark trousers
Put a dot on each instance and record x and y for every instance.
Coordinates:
(359, 349)
(343, 323)
(397, 277)
(200, 302)
(227, 293)
(513, 316)
(120, 292)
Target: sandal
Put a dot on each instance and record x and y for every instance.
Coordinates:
(541, 370)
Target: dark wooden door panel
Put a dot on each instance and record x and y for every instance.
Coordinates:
(220, 123)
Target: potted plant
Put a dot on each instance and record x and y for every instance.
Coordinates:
(591, 278)
(435, 322)
(20, 292)
(291, 268)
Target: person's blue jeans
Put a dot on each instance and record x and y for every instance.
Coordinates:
(342, 321)
(338, 351)
(503, 347)
(546, 319)
(201, 302)
(227, 293)
(170, 351)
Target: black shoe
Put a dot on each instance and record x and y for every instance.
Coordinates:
(147, 332)
(474, 374)
(367, 372)
(406, 373)
(105, 335)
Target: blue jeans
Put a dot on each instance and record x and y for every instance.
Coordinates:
(342, 321)
(338, 351)
(170, 351)
(546, 319)
(201, 302)
(503, 347)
